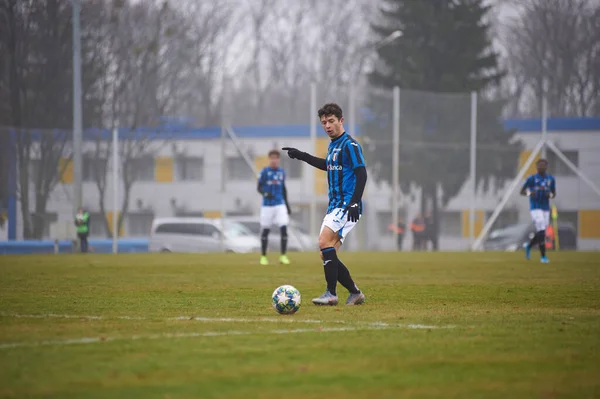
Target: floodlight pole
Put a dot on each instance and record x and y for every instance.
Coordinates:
(396, 132)
(225, 124)
(77, 114)
(544, 124)
(313, 145)
(115, 180)
(395, 161)
(473, 161)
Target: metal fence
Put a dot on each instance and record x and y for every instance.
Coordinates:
(443, 160)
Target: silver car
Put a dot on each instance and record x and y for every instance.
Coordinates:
(298, 239)
(180, 234)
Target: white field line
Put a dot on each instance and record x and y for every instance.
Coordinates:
(92, 340)
(67, 316)
(282, 319)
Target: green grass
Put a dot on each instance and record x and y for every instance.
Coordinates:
(510, 328)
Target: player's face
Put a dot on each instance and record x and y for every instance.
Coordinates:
(274, 161)
(542, 167)
(333, 126)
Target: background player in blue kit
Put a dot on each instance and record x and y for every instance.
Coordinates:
(275, 209)
(347, 177)
(539, 188)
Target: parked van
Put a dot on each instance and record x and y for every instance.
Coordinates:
(298, 239)
(181, 234)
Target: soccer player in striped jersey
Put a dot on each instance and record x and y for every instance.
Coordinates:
(347, 177)
(275, 209)
(539, 188)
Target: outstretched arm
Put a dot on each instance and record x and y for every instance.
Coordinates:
(316, 162)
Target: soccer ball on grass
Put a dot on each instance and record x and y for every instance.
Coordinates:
(286, 299)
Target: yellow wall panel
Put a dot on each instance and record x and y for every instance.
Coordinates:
(466, 226)
(523, 158)
(261, 162)
(65, 167)
(589, 223)
(212, 214)
(109, 219)
(163, 169)
(321, 176)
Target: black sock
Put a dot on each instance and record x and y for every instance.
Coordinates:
(345, 279)
(264, 241)
(330, 264)
(534, 240)
(284, 238)
(542, 242)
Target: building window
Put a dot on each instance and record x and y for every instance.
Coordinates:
(93, 168)
(143, 168)
(451, 223)
(139, 224)
(238, 169)
(293, 169)
(189, 168)
(557, 167)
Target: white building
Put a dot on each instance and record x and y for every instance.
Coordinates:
(183, 175)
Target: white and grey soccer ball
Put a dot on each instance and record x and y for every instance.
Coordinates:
(286, 299)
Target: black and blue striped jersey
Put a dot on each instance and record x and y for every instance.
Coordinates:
(272, 181)
(343, 156)
(540, 188)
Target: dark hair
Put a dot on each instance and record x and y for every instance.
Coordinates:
(544, 160)
(274, 152)
(331, 109)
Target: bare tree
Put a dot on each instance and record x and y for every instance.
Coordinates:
(37, 42)
(130, 53)
(210, 29)
(260, 12)
(293, 45)
(142, 49)
(553, 48)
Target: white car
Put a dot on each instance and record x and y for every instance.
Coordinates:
(182, 234)
(298, 240)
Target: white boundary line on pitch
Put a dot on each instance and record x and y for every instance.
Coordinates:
(282, 319)
(67, 316)
(93, 340)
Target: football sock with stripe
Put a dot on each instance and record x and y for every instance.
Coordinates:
(542, 242)
(284, 239)
(331, 265)
(533, 240)
(264, 241)
(345, 279)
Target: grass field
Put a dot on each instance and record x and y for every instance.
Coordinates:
(443, 325)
